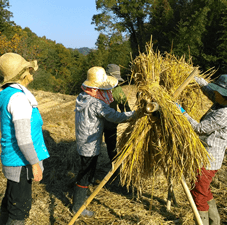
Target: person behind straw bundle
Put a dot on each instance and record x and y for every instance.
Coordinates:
(92, 108)
(121, 102)
(22, 142)
(212, 131)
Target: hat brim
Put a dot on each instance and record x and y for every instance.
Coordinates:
(32, 64)
(110, 83)
(218, 88)
(116, 74)
(119, 77)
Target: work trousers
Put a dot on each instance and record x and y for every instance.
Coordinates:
(111, 140)
(87, 170)
(201, 192)
(18, 197)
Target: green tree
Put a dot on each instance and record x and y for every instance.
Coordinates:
(222, 42)
(110, 50)
(43, 80)
(200, 33)
(216, 31)
(101, 54)
(190, 34)
(125, 17)
(5, 15)
(78, 71)
(119, 51)
(142, 19)
(163, 20)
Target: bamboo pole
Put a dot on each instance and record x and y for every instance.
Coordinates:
(186, 82)
(119, 161)
(171, 195)
(175, 95)
(192, 203)
(183, 182)
(153, 106)
(115, 166)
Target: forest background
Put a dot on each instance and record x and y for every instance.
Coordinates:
(195, 29)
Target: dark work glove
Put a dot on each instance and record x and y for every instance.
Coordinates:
(140, 112)
(156, 114)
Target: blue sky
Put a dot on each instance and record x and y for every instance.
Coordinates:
(67, 22)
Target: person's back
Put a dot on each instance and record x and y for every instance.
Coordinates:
(120, 102)
(90, 116)
(92, 108)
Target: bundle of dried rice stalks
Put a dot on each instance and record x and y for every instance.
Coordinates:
(163, 140)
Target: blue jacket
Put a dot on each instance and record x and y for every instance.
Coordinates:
(11, 154)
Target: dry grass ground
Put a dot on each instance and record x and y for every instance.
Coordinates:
(113, 205)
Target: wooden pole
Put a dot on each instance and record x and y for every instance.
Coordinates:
(119, 161)
(175, 96)
(183, 182)
(153, 106)
(192, 203)
(115, 166)
(171, 195)
(186, 82)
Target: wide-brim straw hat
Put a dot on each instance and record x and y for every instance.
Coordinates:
(97, 78)
(12, 66)
(115, 71)
(220, 85)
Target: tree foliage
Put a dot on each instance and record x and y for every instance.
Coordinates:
(5, 15)
(124, 16)
(194, 28)
(201, 35)
(222, 40)
(84, 50)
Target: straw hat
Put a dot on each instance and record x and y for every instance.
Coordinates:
(12, 66)
(97, 78)
(114, 70)
(220, 85)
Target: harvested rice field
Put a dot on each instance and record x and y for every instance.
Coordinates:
(113, 205)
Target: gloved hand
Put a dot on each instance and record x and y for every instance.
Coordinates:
(179, 107)
(200, 81)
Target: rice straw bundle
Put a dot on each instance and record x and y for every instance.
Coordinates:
(165, 141)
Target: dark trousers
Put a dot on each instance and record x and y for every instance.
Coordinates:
(18, 197)
(111, 140)
(87, 170)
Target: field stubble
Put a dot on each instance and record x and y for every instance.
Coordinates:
(113, 205)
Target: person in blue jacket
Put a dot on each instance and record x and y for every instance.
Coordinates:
(22, 144)
(92, 109)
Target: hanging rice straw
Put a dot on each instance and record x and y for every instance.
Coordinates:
(163, 141)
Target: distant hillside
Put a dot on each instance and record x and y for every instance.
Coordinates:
(84, 50)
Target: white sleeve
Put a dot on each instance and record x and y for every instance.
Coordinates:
(19, 107)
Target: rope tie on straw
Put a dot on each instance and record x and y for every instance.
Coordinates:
(81, 186)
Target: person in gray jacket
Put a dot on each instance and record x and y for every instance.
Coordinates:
(212, 131)
(92, 108)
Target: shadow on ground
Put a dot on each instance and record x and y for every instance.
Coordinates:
(62, 167)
